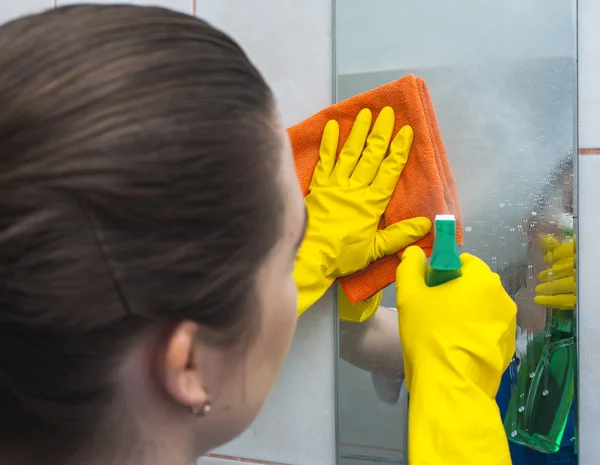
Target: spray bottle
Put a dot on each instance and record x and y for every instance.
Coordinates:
(444, 266)
(445, 260)
(541, 400)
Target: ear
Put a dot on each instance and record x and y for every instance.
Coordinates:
(181, 367)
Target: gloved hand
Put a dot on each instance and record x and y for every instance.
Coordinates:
(346, 201)
(558, 285)
(360, 311)
(458, 338)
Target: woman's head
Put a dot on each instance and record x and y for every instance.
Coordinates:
(149, 219)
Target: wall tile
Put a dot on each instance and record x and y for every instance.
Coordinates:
(13, 9)
(589, 73)
(292, 47)
(290, 42)
(588, 270)
(297, 424)
(589, 224)
(185, 6)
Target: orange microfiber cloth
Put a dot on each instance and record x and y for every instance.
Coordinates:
(426, 187)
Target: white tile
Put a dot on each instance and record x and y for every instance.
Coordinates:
(297, 424)
(185, 6)
(589, 73)
(589, 309)
(289, 41)
(292, 47)
(13, 9)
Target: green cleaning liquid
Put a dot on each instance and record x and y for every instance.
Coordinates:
(542, 397)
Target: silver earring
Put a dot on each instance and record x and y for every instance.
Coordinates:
(201, 410)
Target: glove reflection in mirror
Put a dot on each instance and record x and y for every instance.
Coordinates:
(558, 288)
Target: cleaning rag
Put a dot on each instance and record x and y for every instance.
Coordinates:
(426, 187)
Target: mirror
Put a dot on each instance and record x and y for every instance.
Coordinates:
(502, 79)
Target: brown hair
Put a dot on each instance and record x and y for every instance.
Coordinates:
(138, 159)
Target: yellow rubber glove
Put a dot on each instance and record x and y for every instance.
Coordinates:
(360, 311)
(346, 201)
(458, 338)
(558, 287)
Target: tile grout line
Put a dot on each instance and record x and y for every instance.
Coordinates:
(241, 460)
(368, 447)
(590, 151)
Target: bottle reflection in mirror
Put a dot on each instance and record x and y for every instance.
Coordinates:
(540, 412)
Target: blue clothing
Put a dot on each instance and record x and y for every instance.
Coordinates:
(524, 456)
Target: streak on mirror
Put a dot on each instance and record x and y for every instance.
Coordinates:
(502, 77)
